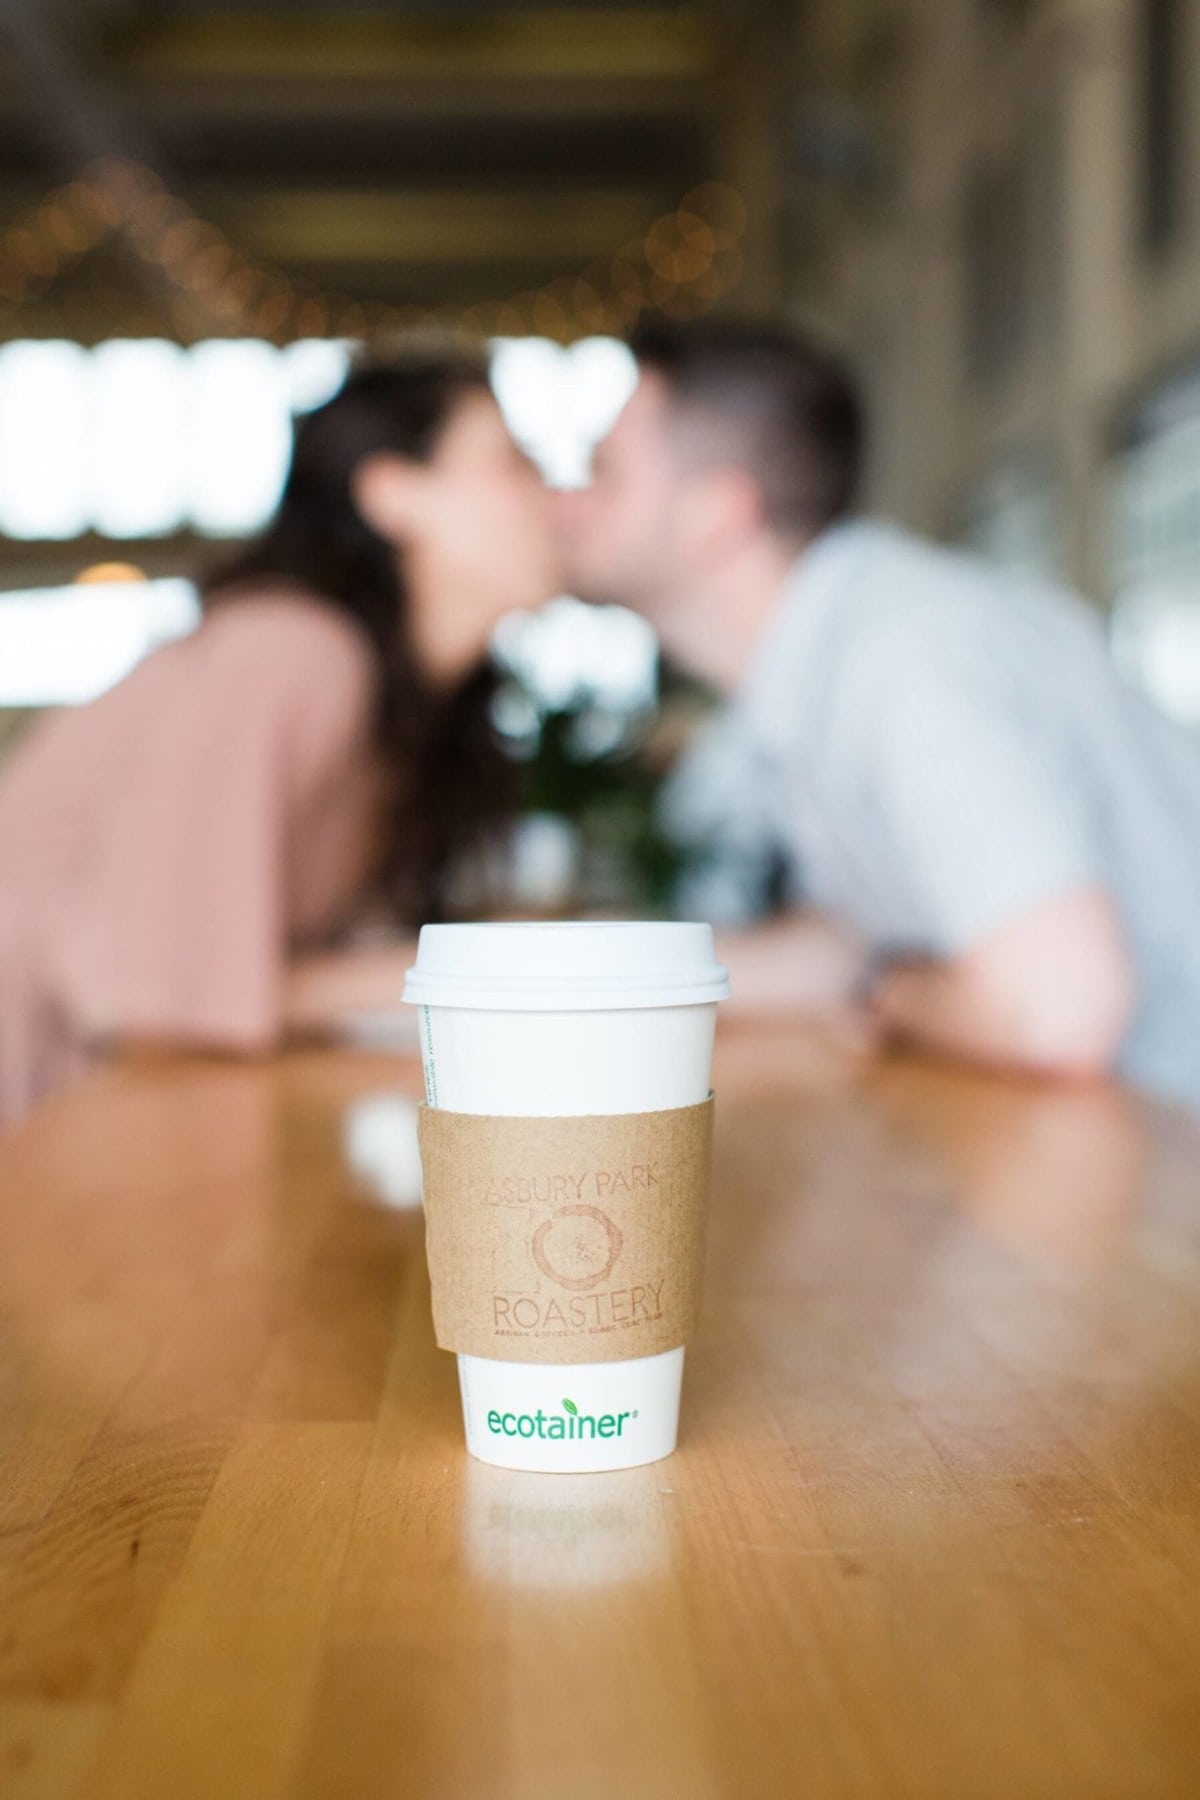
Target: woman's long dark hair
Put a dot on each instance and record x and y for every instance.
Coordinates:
(447, 774)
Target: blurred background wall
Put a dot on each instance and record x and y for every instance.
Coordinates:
(996, 204)
(993, 205)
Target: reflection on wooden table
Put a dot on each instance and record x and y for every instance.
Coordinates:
(933, 1527)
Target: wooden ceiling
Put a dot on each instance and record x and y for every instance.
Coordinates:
(430, 153)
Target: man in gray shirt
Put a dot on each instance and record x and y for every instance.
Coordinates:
(972, 794)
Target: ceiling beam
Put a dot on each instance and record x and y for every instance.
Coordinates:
(168, 104)
(322, 225)
(558, 44)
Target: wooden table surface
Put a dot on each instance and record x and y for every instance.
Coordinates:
(933, 1527)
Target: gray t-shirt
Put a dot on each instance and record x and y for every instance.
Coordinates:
(943, 746)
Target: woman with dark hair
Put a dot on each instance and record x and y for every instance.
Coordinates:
(179, 856)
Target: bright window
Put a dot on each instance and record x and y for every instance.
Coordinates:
(61, 646)
(136, 396)
(140, 438)
(1155, 485)
(44, 417)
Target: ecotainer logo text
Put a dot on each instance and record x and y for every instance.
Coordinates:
(570, 1423)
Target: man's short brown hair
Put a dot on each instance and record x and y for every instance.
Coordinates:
(772, 403)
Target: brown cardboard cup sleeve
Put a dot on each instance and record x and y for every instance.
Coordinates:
(565, 1240)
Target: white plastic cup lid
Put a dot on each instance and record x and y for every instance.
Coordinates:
(566, 966)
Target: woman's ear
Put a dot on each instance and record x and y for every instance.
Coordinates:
(387, 493)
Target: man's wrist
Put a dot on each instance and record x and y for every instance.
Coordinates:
(877, 973)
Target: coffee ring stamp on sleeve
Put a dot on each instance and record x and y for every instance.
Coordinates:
(566, 1239)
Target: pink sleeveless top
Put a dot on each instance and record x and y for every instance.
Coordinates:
(163, 850)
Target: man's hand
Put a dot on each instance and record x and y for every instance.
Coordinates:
(801, 965)
(1051, 992)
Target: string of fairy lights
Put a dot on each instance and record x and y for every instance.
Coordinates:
(686, 261)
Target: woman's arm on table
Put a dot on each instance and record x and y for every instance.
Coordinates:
(325, 990)
(323, 993)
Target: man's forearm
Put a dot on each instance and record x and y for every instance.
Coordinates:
(801, 963)
(1052, 991)
(946, 1007)
(930, 1004)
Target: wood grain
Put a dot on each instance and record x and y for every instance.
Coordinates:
(933, 1527)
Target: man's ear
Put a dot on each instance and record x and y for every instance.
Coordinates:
(387, 492)
(727, 508)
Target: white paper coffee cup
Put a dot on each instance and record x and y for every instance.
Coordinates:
(531, 1020)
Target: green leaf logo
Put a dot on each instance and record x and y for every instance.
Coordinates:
(571, 1408)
